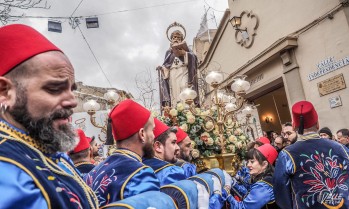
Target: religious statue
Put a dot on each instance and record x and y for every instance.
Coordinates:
(179, 69)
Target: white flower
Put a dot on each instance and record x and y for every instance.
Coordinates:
(198, 111)
(238, 131)
(232, 139)
(231, 147)
(190, 119)
(173, 112)
(193, 144)
(239, 145)
(209, 141)
(216, 132)
(204, 114)
(180, 107)
(205, 134)
(195, 153)
(184, 127)
(242, 137)
(209, 125)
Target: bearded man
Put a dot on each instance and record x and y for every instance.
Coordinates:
(184, 156)
(165, 153)
(123, 174)
(179, 69)
(36, 100)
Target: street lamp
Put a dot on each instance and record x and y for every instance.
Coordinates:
(225, 105)
(92, 106)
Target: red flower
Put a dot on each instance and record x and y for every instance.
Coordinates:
(333, 163)
(319, 166)
(204, 138)
(331, 183)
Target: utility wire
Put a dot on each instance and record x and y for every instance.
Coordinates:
(141, 8)
(212, 7)
(100, 67)
(76, 8)
(120, 11)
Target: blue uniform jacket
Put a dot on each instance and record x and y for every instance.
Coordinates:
(312, 173)
(166, 172)
(189, 168)
(260, 194)
(30, 179)
(120, 176)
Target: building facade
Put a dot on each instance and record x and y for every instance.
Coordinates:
(289, 51)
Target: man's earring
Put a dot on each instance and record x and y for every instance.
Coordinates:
(3, 108)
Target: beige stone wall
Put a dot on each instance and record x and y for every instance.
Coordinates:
(277, 20)
(330, 38)
(85, 92)
(286, 49)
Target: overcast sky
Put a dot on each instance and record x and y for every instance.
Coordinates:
(130, 39)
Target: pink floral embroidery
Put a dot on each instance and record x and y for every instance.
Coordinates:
(102, 185)
(328, 178)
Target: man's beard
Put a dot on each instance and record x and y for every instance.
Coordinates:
(148, 150)
(41, 130)
(95, 154)
(185, 157)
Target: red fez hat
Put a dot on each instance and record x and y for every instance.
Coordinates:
(264, 140)
(181, 135)
(127, 118)
(305, 110)
(269, 152)
(83, 143)
(19, 43)
(160, 128)
(89, 139)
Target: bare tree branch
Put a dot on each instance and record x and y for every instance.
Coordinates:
(146, 86)
(7, 6)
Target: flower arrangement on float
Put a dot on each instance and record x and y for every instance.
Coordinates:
(206, 143)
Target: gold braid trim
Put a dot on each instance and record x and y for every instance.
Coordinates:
(52, 166)
(82, 163)
(128, 152)
(4, 127)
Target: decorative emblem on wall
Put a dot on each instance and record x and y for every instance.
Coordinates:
(246, 27)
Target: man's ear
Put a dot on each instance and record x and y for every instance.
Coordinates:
(141, 134)
(5, 86)
(158, 147)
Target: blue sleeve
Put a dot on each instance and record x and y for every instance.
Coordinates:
(282, 185)
(244, 174)
(259, 195)
(18, 190)
(143, 181)
(189, 169)
(239, 190)
(216, 201)
(170, 175)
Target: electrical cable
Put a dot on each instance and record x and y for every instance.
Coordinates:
(212, 7)
(76, 8)
(120, 11)
(100, 67)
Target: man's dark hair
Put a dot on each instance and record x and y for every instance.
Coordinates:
(288, 124)
(344, 131)
(79, 155)
(162, 137)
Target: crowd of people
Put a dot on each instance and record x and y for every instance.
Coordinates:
(45, 163)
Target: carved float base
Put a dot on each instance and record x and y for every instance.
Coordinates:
(228, 162)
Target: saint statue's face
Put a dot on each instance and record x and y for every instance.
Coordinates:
(44, 101)
(176, 37)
